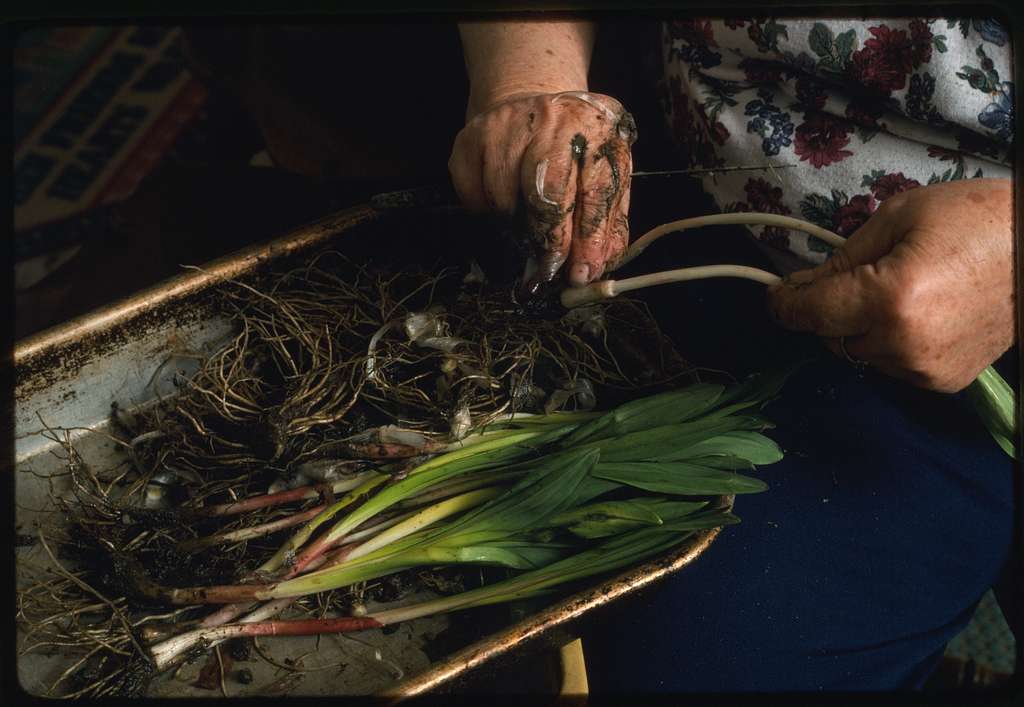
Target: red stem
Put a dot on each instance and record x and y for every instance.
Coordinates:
(230, 612)
(308, 627)
(312, 552)
(269, 499)
(255, 531)
(339, 555)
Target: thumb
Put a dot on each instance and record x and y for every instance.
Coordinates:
(836, 298)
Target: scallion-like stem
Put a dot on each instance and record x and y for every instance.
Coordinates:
(288, 549)
(996, 405)
(607, 289)
(733, 219)
(167, 653)
(994, 400)
(256, 531)
(424, 518)
(272, 499)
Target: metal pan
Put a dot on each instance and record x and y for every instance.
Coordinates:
(126, 354)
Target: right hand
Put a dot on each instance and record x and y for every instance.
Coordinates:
(565, 158)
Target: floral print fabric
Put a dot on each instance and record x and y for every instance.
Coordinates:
(857, 110)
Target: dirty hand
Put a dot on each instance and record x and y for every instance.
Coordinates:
(923, 291)
(564, 158)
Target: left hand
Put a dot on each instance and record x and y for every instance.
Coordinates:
(923, 291)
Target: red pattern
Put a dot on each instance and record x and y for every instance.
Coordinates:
(885, 60)
(892, 184)
(847, 219)
(820, 139)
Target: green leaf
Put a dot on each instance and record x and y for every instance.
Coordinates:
(821, 39)
(629, 509)
(591, 487)
(724, 461)
(654, 411)
(618, 551)
(754, 447)
(671, 440)
(670, 510)
(540, 495)
(844, 46)
(678, 478)
(523, 557)
(818, 209)
(940, 43)
(640, 512)
(976, 78)
(995, 403)
(758, 389)
(604, 527)
(702, 521)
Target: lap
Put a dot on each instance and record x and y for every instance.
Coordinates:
(888, 519)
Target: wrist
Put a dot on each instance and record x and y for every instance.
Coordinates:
(483, 100)
(505, 60)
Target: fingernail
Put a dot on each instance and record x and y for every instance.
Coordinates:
(549, 268)
(580, 274)
(530, 270)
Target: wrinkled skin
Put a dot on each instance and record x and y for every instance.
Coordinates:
(924, 291)
(564, 158)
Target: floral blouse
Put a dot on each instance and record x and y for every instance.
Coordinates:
(857, 110)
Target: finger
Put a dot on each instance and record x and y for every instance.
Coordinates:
(830, 306)
(500, 170)
(548, 183)
(837, 297)
(619, 230)
(465, 167)
(868, 244)
(500, 180)
(603, 175)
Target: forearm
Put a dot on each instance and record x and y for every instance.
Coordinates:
(505, 59)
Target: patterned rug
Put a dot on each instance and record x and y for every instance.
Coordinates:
(95, 110)
(987, 640)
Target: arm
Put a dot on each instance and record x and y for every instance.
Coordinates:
(509, 59)
(537, 142)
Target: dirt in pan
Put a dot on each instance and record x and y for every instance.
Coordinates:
(326, 353)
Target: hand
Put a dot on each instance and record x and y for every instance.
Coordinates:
(565, 158)
(923, 291)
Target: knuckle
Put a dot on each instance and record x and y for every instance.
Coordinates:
(889, 208)
(901, 310)
(839, 261)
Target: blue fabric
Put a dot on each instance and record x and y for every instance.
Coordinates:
(890, 516)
